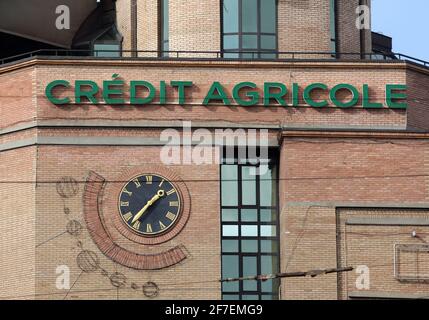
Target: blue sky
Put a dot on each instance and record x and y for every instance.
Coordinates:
(407, 22)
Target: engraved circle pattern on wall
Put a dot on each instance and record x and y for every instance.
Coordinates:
(67, 187)
(150, 289)
(88, 261)
(74, 227)
(113, 218)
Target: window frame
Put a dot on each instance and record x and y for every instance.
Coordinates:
(258, 52)
(273, 160)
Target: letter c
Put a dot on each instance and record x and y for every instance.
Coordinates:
(51, 86)
(309, 100)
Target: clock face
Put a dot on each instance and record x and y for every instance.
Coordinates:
(149, 204)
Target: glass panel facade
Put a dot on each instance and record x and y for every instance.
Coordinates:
(268, 12)
(164, 40)
(108, 45)
(249, 15)
(249, 29)
(333, 27)
(230, 14)
(107, 50)
(249, 217)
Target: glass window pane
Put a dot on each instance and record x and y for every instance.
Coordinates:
(230, 231)
(229, 245)
(252, 55)
(250, 42)
(249, 15)
(230, 16)
(250, 297)
(249, 215)
(268, 42)
(268, 55)
(250, 268)
(249, 246)
(268, 215)
(248, 185)
(229, 215)
(268, 16)
(230, 42)
(268, 246)
(230, 286)
(266, 190)
(230, 270)
(230, 297)
(229, 185)
(332, 18)
(165, 46)
(268, 231)
(268, 297)
(165, 20)
(267, 286)
(268, 264)
(231, 55)
(333, 46)
(112, 50)
(249, 231)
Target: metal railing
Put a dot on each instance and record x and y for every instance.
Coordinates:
(210, 55)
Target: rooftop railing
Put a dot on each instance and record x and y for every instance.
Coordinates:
(210, 55)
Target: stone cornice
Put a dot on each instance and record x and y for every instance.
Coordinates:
(215, 63)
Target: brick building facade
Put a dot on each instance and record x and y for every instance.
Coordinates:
(346, 187)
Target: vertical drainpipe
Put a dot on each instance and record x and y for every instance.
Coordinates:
(134, 28)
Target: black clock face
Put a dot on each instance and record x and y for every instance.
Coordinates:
(149, 204)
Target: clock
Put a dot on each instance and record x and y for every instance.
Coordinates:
(158, 201)
(150, 204)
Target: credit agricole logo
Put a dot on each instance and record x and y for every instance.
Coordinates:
(247, 94)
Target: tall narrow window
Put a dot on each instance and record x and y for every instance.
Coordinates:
(250, 239)
(333, 20)
(249, 28)
(164, 30)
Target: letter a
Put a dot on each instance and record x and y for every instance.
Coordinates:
(63, 20)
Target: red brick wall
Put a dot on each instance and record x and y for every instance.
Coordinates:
(318, 175)
(200, 236)
(418, 100)
(17, 225)
(373, 246)
(17, 98)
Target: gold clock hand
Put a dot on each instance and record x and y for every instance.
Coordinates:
(141, 212)
(155, 198)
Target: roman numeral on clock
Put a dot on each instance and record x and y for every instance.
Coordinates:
(174, 203)
(128, 216)
(149, 179)
(162, 226)
(171, 216)
(127, 192)
(136, 225)
(149, 228)
(171, 192)
(137, 183)
(160, 184)
(125, 203)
